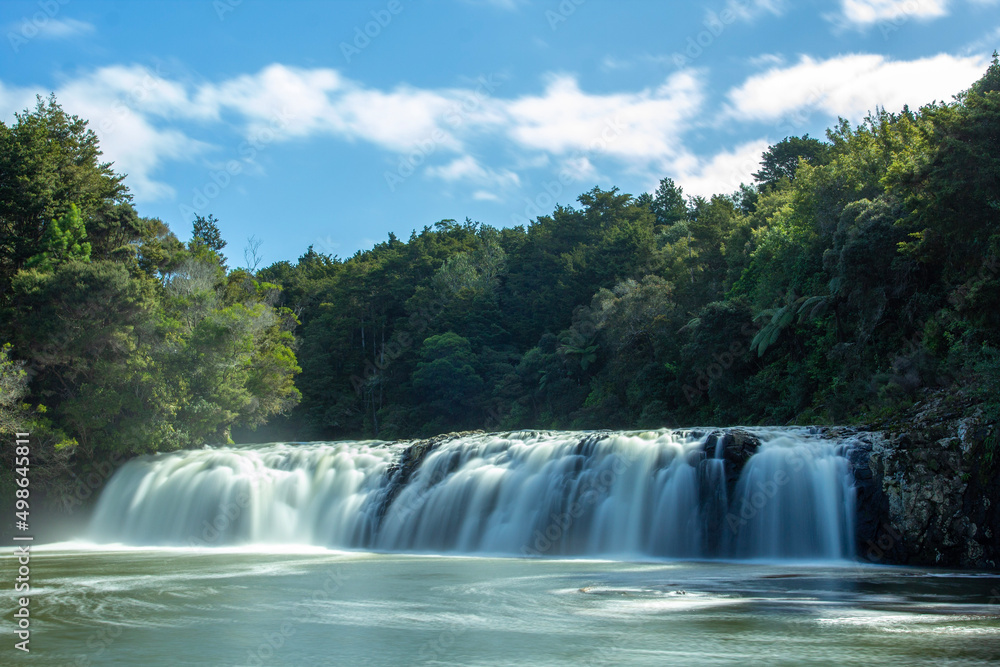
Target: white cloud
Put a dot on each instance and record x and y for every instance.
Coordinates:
(851, 85)
(721, 173)
(748, 10)
(53, 28)
(146, 119)
(986, 43)
(136, 112)
(628, 126)
(578, 168)
(611, 63)
(767, 60)
(867, 12)
(467, 168)
(862, 14)
(15, 100)
(118, 102)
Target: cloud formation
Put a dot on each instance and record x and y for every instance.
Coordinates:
(147, 118)
(862, 14)
(851, 85)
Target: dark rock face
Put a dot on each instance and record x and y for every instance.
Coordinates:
(733, 447)
(923, 495)
(737, 447)
(876, 539)
(400, 472)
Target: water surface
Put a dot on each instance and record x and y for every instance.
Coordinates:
(153, 607)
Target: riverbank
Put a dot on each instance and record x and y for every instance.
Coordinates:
(928, 491)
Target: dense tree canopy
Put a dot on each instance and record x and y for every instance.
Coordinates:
(853, 273)
(115, 336)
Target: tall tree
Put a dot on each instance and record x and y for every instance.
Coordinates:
(205, 233)
(669, 205)
(49, 162)
(782, 159)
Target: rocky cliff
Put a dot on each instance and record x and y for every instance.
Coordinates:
(927, 487)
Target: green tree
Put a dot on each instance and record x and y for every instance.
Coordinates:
(13, 389)
(446, 375)
(93, 363)
(669, 205)
(782, 159)
(49, 161)
(205, 233)
(64, 240)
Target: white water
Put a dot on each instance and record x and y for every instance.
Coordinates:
(621, 495)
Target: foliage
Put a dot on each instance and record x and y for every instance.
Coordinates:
(49, 163)
(63, 240)
(13, 388)
(781, 161)
(205, 234)
(854, 273)
(132, 341)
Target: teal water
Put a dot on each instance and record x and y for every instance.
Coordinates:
(221, 607)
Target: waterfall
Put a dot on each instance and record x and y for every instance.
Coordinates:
(662, 494)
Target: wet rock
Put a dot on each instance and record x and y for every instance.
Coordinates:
(400, 472)
(923, 494)
(738, 446)
(735, 446)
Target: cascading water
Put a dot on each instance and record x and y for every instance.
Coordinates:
(672, 494)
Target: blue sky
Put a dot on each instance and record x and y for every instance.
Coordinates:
(333, 123)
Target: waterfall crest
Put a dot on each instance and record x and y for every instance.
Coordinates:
(757, 493)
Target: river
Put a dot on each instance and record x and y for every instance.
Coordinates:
(532, 548)
(308, 606)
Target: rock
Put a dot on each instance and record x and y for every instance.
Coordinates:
(734, 447)
(400, 472)
(922, 492)
(737, 446)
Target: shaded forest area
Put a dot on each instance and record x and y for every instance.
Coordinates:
(852, 274)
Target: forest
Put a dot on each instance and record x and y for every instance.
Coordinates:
(854, 272)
